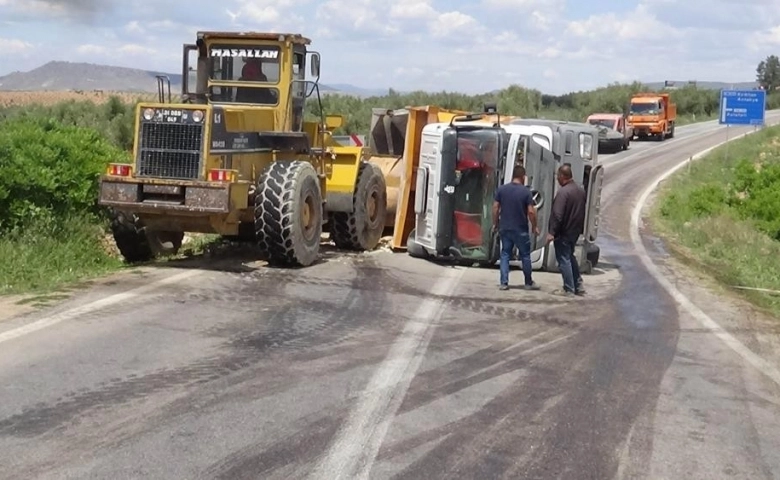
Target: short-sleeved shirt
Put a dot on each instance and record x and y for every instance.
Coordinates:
(514, 200)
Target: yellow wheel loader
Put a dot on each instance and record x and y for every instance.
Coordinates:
(236, 157)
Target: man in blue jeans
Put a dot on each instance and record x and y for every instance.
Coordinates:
(567, 222)
(513, 207)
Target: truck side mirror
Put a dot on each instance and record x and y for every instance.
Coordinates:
(315, 65)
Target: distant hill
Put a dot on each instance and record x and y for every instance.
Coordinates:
(705, 85)
(59, 75)
(84, 76)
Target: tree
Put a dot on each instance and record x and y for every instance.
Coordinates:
(768, 73)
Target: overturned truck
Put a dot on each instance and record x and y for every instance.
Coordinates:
(463, 161)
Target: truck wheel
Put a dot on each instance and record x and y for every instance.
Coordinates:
(130, 238)
(671, 133)
(592, 253)
(288, 214)
(362, 228)
(413, 249)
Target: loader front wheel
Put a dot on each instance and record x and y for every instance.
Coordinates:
(288, 214)
(362, 228)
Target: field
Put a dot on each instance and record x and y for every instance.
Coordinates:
(46, 98)
(722, 216)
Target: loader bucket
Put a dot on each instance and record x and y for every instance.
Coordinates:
(386, 143)
(394, 145)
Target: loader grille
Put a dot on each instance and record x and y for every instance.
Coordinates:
(170, 150)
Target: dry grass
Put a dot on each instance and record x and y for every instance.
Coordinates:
(22, 98)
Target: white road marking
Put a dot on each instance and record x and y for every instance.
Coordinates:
(353, 453)
(92, 306)
(756, 361)
(660, 147)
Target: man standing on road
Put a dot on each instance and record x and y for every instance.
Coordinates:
(567, 222)
(513, 207)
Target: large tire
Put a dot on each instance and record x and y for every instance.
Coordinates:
(139, 244)
(288, 214)
(130, 238)
(362, 228)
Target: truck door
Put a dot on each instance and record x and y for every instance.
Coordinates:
(593, 207)
(540, 173)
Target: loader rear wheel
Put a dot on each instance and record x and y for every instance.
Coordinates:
(288, 214)
(130, 238)
(139, 244)
(362, 228)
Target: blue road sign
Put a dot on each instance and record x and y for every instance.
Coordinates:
(742, 107)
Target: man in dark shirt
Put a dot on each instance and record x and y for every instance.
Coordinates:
(567, 222)
(513, 207)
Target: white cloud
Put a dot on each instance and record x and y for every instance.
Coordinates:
(14, 45)
(412, 10)
(135, 49)
(474, 46)
(634, 26)
(89, 49)
(454, 24)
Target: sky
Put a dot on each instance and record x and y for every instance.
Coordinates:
(471, 46)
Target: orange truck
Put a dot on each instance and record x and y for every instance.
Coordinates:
(652, 114)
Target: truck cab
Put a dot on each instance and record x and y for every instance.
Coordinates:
(464, 162)
(653, 115)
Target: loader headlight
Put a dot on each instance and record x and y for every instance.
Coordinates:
(197, 116)
(148, 114)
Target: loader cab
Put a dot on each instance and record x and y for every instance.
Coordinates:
(264, 72)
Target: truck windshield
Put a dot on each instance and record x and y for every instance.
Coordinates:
(479, 172)
(602, 122)
(644, 108)
(254, 64)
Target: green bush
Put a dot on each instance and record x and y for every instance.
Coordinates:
(50, 170)
(113, 120)
(699, 201)
(756, 195)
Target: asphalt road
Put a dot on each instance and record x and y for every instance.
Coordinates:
(383, 366)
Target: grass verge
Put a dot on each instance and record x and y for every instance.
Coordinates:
(722, 214)
(43, 257)
(690, 119)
